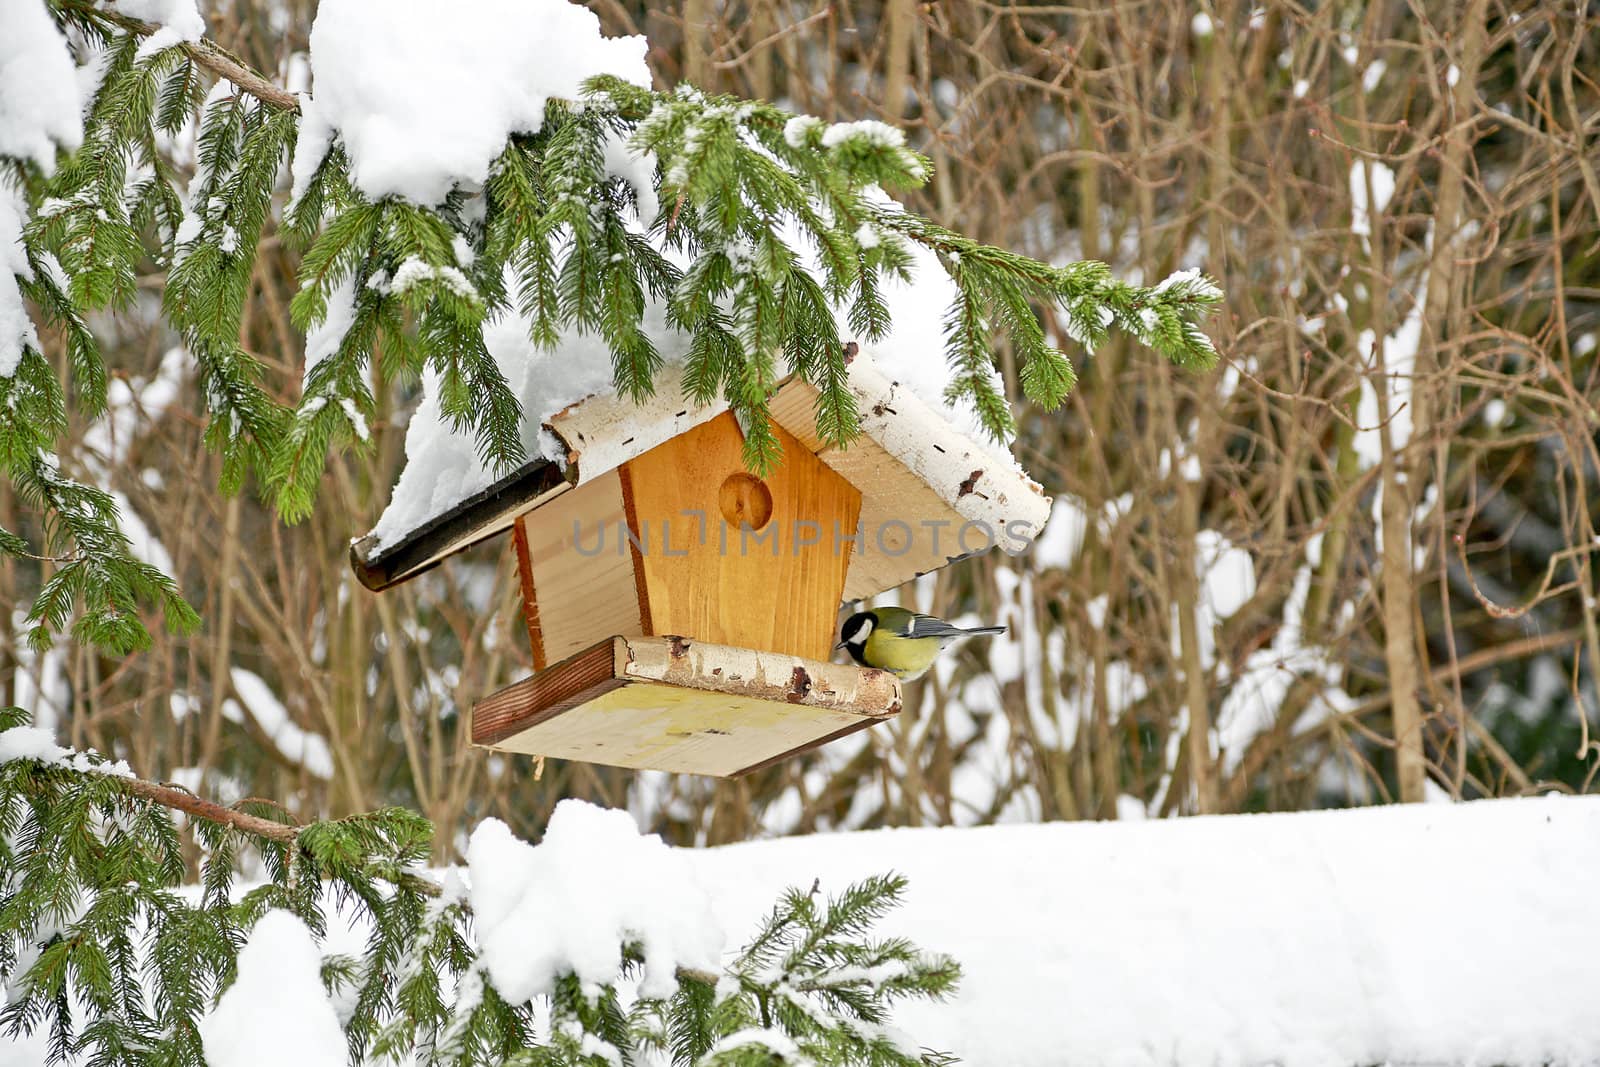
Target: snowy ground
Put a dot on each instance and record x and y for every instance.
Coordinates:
(1438, 934)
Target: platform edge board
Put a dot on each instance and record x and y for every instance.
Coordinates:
(542, 696)
(843, 731)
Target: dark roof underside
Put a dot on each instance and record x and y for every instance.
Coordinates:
(475, 519)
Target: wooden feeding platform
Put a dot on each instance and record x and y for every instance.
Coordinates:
(681, 611)
(671, 704)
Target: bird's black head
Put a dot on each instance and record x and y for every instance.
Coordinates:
(854, 633)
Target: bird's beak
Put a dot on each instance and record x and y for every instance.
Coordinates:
(838, 646)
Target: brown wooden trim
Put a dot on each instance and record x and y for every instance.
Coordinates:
(530, 602)
(843, 731)
(575, 680)
(646, 622)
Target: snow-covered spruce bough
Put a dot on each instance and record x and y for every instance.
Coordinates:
(564, 194)
(594, 947)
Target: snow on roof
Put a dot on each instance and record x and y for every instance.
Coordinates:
(1431, 934)
(929, 493)
(443, 472)
(443, 467)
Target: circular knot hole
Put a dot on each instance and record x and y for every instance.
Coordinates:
(746, 501)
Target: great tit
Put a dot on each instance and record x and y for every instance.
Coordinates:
(900, 641)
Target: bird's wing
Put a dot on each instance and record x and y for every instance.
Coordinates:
(919, 626)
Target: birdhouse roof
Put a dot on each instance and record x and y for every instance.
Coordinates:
(931, 493)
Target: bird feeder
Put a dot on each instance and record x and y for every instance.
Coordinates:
(680, 611)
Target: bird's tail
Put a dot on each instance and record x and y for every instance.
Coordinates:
(984, 631)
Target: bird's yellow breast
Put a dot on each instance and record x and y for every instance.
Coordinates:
(906, 657)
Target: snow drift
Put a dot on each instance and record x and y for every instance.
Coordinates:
(1444, 934)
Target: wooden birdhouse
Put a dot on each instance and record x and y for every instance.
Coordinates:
(682, 612)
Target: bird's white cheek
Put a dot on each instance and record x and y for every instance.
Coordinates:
(863, 629)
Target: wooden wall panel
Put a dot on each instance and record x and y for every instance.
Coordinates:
(767, 589)
(583, 596)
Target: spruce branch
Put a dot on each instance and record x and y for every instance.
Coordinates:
(98, 948)
(331, 840)
(204, 53)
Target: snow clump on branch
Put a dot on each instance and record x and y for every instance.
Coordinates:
(568, 904)
(424, 102)
(276, 1011)
(38, 113)
(178, 21)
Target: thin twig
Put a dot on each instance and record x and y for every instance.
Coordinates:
(1544, 591)
(771, 39)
